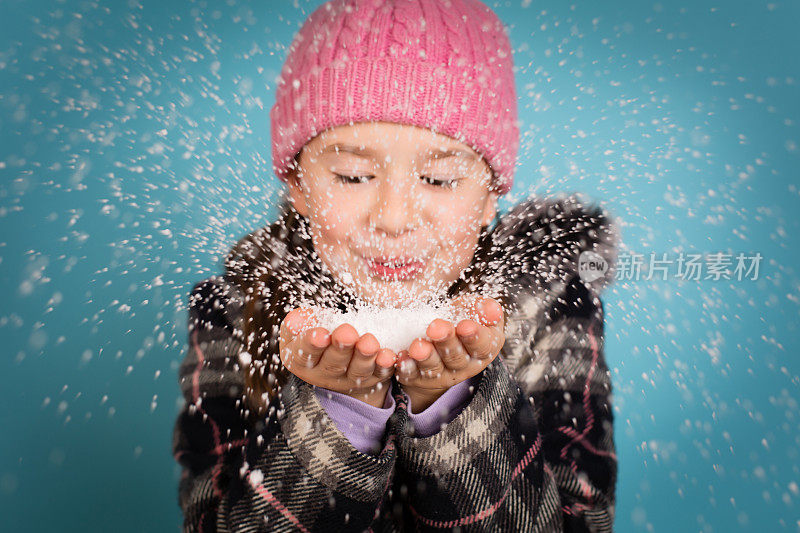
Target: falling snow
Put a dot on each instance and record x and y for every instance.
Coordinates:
(136, 153)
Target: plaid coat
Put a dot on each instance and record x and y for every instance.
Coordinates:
(533, 450)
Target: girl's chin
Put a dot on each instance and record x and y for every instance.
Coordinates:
(379, 291)
(396, 293)
(390, 293)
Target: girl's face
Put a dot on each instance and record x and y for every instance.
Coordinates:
(381, 192)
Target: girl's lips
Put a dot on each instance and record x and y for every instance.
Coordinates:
(405, 271)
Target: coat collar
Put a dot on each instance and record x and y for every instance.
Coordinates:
(540, 242)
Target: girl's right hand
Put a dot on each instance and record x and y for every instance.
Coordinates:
(340, 361)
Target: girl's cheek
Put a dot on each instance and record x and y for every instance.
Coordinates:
(451, 207)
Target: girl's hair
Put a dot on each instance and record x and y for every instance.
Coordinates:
(275, 268)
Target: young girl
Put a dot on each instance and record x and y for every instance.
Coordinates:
(395, 131)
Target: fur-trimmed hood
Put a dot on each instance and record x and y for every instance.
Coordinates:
(538, 247)
(540, 243)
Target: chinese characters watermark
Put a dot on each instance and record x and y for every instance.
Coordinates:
(682, 266)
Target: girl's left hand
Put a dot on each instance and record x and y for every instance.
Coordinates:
(428, 368)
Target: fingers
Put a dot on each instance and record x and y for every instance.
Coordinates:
(336, 358)
(484, 310)
(483, 340)
(406, 370)
(301, 346)
(428, 362)
(490, 313)
(384, 363)
(479, 341)
(362, 363)
(448, 346)
(306, 349)
(294, 323)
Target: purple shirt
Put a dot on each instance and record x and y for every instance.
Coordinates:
(364, 425)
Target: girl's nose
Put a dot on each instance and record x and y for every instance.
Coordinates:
(397, 210)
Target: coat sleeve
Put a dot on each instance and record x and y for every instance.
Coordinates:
(533, 449)
(569, 384)
(294, 470)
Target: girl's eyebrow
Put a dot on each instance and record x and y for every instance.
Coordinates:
(355, 150)
(451, 152)
(363, 151)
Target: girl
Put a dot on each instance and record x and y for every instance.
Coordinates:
(395, 131)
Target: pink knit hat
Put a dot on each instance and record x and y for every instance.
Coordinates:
(445, 65)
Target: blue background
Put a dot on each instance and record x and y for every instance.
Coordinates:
(136, 150)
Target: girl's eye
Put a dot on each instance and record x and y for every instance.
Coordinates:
(443, 184)
(353, 179)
